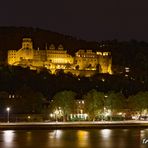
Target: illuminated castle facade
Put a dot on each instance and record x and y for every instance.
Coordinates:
(86, 62)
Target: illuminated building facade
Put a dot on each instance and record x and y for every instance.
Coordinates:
(54, 59)
(90, 60)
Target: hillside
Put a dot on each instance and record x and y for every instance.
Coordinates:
(11, 38)
(126, 53)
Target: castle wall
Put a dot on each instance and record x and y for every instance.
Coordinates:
(105, 62)
(86, 60)
(59, 59)
(12, 57)
(39, 55)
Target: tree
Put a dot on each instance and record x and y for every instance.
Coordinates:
(65, 101)
(28, 101)
(4, 100)
(114, 102)
(89, 66)
(98, 68)
(141, 61)
(94, 103)
(68, 66)
(77, 67)
(59, 72)
(138, 102)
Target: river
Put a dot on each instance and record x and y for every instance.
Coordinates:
(91, 138)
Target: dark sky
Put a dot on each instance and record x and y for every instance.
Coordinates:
(86, 19)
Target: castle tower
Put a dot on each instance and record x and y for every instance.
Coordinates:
(27, 43)
(105, 61)
(60, 47)
(11, 57)
(26, 52)
(52, 47)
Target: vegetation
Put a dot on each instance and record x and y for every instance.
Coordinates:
(99, 106)
(115, 101)
(29, 91)
(94, 103)
(138, 102)
(64, 102)
(125, 53)
(13, 78)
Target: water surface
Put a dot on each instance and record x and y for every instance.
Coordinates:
(91, 138)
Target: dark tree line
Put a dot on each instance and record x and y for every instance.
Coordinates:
(13, 78)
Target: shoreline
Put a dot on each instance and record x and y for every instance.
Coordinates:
(73, 125)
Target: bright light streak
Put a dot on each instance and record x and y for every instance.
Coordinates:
(106, 133)
(83, 137)
(58, 134)
(8, 136)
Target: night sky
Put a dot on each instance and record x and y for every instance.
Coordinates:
(85, 19)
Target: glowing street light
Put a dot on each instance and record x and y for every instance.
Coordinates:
(56, 114)
(8, 110)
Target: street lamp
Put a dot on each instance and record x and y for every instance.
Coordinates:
(8, 110)
(104, 107)
(56, 113)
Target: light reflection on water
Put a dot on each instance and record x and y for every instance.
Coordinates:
(106, 133)
(54, 138)
(83, 138)
(101, 138)
(8, 136)
(58, 134)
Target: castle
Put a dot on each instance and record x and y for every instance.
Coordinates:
(83, 63)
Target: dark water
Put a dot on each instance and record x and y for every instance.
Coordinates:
(91, 138)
